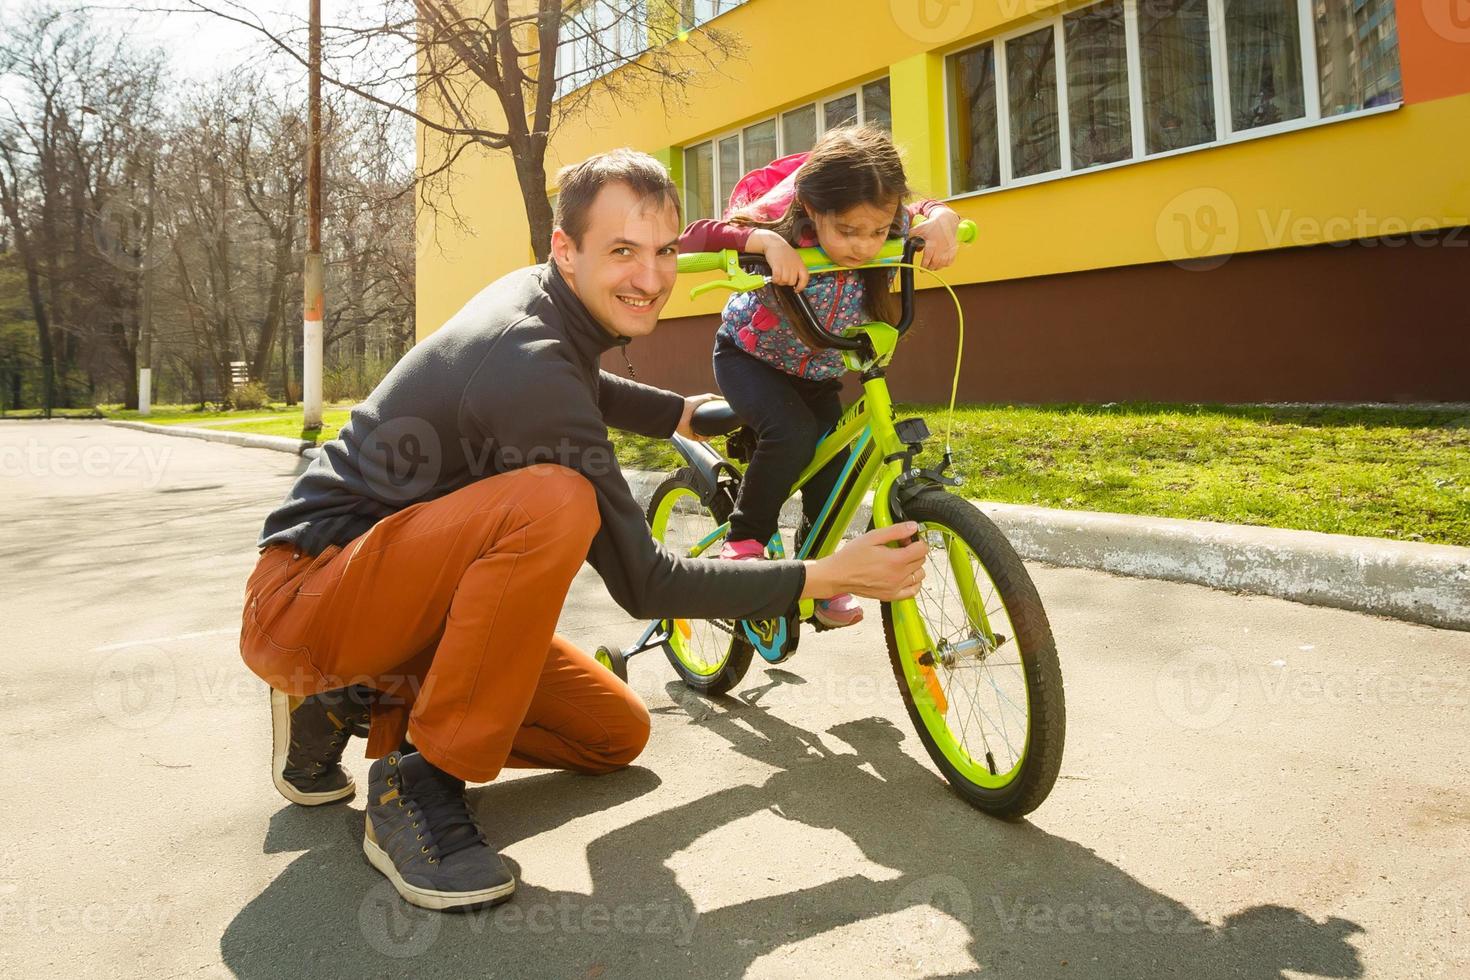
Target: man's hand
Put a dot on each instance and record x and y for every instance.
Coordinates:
(690, 404)
(870, 566)
(941, 239)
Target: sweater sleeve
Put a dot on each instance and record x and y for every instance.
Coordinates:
(640, 408)
(547, 414)
(712, 236)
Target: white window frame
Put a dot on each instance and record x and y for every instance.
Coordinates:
(1224, 136)
(778, 118)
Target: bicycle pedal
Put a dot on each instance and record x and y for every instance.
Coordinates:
(769, 637)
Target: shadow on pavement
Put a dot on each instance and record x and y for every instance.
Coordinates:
(1022, 901)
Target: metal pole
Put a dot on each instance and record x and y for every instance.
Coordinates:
(315, 304)
(145, 332)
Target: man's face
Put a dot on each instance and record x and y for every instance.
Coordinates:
(625, 268)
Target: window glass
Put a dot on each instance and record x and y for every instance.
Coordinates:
(730, 171)
(1263, 51)
(1357, 54)
(1178, 86)
(760, 144)
(1031, 83)
(799, 130)
(840, 112)
(975, 148)
(1096, 50)
(699, 182)
(878, 104)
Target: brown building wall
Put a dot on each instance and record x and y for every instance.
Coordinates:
(1381, 320)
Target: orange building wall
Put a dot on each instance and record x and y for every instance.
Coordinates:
(1434, 48)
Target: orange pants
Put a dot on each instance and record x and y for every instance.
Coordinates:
(449, 609)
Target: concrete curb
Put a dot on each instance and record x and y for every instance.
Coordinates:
(1420, 583)
(297, 447)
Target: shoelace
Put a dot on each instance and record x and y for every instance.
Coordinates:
(447, 817)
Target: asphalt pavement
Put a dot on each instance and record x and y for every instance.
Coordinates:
(1252, 788)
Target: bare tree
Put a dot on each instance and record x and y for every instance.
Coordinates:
(69, 125)
(486, 75)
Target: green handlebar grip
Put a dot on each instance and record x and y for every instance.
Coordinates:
(701, 262)
(967, 231)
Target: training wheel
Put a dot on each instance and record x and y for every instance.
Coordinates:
(613, 659)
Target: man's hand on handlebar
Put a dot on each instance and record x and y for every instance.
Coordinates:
(787, 269)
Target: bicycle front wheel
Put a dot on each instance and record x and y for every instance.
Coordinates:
(987, 700)
(708, 654)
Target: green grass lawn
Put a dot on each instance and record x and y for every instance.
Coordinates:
(1384, 472)
(1394, 473)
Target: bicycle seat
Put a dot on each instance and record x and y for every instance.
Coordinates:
(715, 418)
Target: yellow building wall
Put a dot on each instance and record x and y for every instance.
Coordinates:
(1387, 173)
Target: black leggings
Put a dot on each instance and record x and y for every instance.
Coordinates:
(789, 415)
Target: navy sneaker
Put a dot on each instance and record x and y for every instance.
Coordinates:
(307, 739)
(423, 836)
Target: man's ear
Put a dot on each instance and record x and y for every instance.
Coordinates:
(562, 248)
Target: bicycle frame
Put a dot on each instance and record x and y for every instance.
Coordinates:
(877, 459)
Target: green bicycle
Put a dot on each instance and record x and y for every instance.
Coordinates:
(972, 653)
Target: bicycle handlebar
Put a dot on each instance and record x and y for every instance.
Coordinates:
(749, 271)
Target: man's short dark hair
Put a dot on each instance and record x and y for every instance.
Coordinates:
(579, 184)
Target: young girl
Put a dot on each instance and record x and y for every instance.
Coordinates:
(847, 196)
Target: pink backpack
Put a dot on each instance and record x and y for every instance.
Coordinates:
(769, 188)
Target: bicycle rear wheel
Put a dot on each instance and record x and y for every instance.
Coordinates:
(708, 654)
(994, 720)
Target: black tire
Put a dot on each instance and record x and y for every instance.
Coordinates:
(737, 653)
(612, 658)
(1038, 668)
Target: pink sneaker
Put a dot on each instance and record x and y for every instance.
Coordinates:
(839, 611)
(740, 550)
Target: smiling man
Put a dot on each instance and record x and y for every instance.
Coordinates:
(409, 585)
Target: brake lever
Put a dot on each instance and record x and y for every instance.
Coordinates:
(740, 281)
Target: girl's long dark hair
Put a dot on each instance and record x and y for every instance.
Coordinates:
(849, 166)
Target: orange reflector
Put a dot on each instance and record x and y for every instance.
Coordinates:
(682, 625)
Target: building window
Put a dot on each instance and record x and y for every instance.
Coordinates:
(975, 164)
(1178, 83)
(1126, 79)
(699, 176)
(1031, 82)
(696, 12)
(598, 37)
(1357, 55)
(1264, 51)
(713, 168)
(1097, 85)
